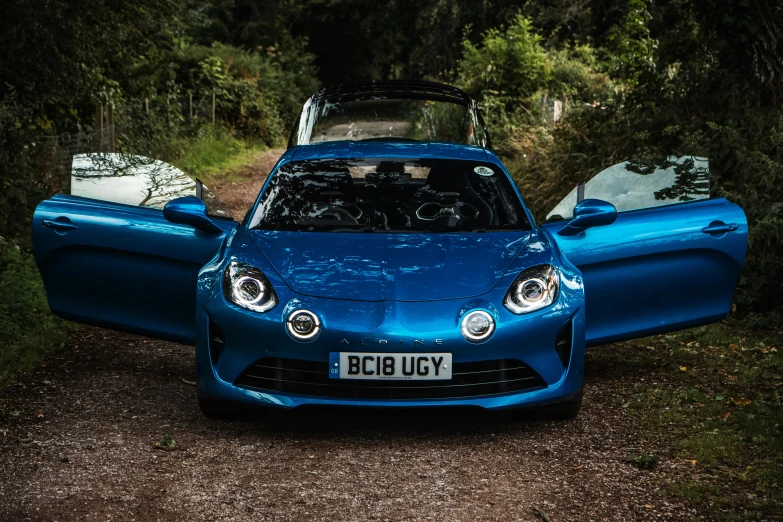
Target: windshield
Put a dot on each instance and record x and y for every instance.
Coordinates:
(422, 195)
(389, 119)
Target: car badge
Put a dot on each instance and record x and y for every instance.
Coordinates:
(483, 171)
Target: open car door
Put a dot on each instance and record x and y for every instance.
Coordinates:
(109, 257)
(671, 260)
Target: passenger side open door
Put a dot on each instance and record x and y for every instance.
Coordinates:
(671, 259)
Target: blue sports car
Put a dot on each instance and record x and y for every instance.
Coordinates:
(389, 261)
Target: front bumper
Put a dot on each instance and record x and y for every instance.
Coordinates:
(386, 327)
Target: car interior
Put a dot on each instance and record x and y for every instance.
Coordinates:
(390, 195)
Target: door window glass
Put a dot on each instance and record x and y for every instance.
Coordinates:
(630, 186)
(136, 180)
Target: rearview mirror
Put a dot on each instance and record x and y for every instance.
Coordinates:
(190, 210)
(589, 213)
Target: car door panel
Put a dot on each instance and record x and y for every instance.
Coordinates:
(658, 269)
(121, 266)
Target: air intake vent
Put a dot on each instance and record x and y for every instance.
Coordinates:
(474, 379)
(217, 341)
(563, 343)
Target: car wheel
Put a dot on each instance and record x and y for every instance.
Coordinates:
(559, 411)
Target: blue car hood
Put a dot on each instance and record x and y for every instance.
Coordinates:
(390, 266)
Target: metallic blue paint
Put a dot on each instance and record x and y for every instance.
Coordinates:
(189, 210)
(656, 270)
(587, 214)
(129, 268)
(123, 267)
(528, 337)
(390, 266)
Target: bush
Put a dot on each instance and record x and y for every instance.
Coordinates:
(21, 183)
(28, 330)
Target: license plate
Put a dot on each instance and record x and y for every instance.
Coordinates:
(391, 366)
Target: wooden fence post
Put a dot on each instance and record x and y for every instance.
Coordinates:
(213, 109)
(147, 105)
(110, 125)
(98, 128)
(190, 98)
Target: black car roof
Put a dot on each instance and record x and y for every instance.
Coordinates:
(394, 89)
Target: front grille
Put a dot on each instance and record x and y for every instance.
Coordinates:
(472, 379)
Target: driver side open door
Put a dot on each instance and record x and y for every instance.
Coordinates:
(109, 257)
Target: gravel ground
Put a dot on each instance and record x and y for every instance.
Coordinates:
(78, 442)
(82, 432)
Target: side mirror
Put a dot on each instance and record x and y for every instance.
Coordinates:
(190, 210)
(589, 213)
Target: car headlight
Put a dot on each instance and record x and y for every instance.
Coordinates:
(247, 286)
(533, 289)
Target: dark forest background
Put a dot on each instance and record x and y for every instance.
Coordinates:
(637, 78)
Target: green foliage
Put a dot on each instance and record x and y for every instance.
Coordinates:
(253, 100)
(643, 461)
(512, 76)
(248, 88)
(211, 152)
(166, 443)
(631, 49)
(510, 63)
(59, 57)
(28, 330)
(20, 182)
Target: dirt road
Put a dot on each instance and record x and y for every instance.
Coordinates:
(82, 432)
(78, 442)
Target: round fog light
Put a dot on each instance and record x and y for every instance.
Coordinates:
(303, 325)
(477, 326)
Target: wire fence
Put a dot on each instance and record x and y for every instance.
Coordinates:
(201, 108)
(54, 154)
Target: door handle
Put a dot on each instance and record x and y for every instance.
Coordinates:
(718, 228)
(59, 226)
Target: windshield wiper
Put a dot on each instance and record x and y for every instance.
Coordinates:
(356, 229)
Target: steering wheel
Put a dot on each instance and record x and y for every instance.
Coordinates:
(352, 208)
(459, 211)
(336, 211)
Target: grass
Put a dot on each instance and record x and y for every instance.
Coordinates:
(714, 396)
(166, 443)
(29, 332)
(215, 155)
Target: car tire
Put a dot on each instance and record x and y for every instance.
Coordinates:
(217, 409)
(560, 411)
